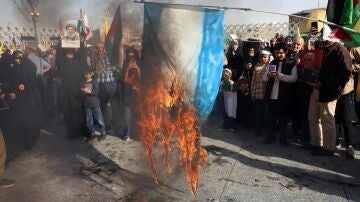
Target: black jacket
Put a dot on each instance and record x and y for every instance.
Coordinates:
(286, 90)
(335, 72)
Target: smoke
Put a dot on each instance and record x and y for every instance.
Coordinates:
(52, 11)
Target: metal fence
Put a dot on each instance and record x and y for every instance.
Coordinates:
(264, 31)
(10, 34)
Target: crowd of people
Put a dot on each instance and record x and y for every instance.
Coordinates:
(264, 89)
(78, 84)
(260, 89)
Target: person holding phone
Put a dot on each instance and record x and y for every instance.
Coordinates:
(130, 89)
(279, 93)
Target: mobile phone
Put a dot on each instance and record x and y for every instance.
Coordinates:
(314, 27)
(272, 68)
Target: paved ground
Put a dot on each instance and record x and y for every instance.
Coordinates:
(240, 168)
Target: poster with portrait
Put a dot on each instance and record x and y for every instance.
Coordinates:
(70, 37)
(310, 65)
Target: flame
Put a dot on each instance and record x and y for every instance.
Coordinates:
(164, 114)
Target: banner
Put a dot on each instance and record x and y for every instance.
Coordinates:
(188, 41)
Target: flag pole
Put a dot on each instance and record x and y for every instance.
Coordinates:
(249, 9)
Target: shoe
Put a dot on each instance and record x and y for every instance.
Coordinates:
(126, 138)
(322, 152)
(355, 123)
(220, 129)
(109, 132)
(284, 141)
(90, 138)
(5, 183)
(232, 130)
(102, 137)
(350, 153)
(269, 140)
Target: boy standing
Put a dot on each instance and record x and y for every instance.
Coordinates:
(279, 94)
(228, 89)
(90, 90)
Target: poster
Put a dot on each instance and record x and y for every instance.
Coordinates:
(310, 65)
(70, 37)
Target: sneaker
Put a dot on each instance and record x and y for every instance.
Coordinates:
(269, 140)
(350, 152)
(5, 183)
(322, 152)
(102, 137)
(356, 123)
(109, 132)
(126, 138)
(232, 130)
(219, 129)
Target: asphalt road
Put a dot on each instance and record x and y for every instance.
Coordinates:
(240, 168)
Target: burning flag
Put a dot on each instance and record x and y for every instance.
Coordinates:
(182, 65)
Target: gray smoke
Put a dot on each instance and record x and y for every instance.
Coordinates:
(51, 11)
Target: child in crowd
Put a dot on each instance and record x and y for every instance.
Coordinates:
(228, 89)
(258, 91)
(244, 112)
(89, 90)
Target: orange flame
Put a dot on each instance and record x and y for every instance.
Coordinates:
(163, 114)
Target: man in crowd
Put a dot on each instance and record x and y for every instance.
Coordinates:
(106, 77)
(334, 74)
(299, 117)
(355, 56)
(279, 93)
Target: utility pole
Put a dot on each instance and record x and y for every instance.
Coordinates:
(34, 16)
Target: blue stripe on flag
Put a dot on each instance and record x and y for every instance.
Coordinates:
(210, 63)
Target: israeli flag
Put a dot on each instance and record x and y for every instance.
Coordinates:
(191, 41)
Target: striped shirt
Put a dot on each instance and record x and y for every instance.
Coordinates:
(107, 74)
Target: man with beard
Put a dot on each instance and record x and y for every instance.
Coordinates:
(299, 118)
(106, 77)
(71, 33)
